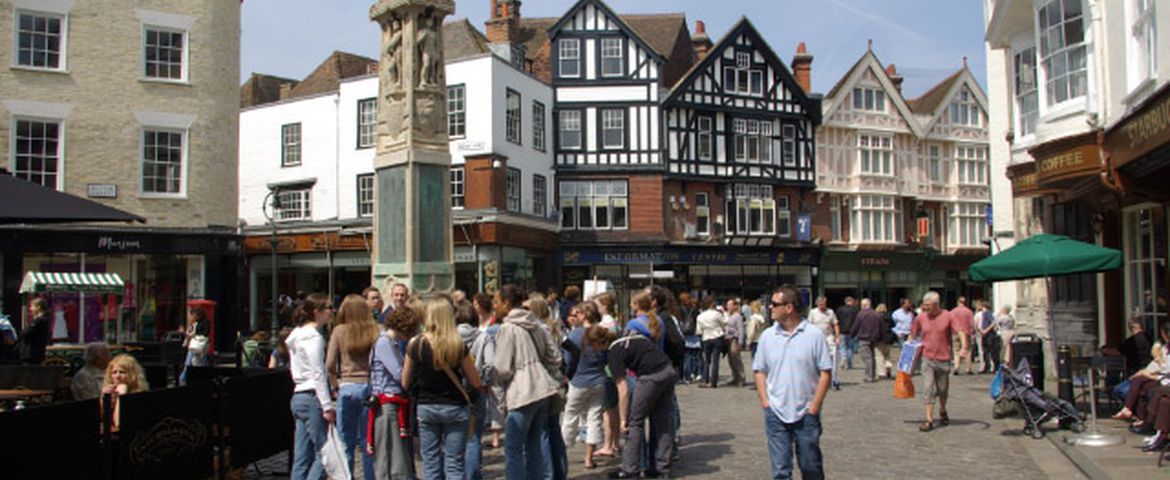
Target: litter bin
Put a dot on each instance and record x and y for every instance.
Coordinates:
(1029, 346)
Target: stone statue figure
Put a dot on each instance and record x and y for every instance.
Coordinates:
(393, 56)
(429, 53)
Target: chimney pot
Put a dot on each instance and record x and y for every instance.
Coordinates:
(891, 70)
(800, 48)
(700, 27)
(869, 44)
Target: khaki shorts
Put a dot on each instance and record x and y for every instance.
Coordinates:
(938, 379)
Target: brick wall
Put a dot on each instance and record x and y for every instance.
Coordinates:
(646, 204)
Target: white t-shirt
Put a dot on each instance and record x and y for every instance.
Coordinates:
(825, 320)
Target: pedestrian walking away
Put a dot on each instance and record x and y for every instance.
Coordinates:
(792, 372)
(867, 331)
(711, 323)
(734, 334)
(935, 328)
(847, 345)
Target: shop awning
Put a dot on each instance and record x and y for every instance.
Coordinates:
(26, 202)
(35, 282)
(1045, 255)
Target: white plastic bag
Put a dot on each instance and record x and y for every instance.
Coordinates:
(333, 457)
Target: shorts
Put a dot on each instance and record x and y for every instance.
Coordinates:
(610, 399)
(938, 379)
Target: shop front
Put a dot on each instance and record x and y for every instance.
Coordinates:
(162, 270)
(1137, 150)
(888, 277)
(724, 272)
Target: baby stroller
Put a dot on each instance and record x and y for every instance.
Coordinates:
(1034, 405)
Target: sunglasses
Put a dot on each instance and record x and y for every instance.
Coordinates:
(780, 304)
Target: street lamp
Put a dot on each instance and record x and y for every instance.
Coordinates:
(273, 200)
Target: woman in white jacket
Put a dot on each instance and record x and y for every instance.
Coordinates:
(312, 407)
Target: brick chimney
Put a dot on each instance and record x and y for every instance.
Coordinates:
(700, 41)
(802, 67)
(503, 26)
(892, 72)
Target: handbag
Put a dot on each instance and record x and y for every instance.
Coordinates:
(198, 344)
(333, 456)
(466, 397)
(903, 386)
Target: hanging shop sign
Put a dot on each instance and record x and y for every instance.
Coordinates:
(1066, 159)
(1145, 130)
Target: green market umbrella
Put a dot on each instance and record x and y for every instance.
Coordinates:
(1045, 255)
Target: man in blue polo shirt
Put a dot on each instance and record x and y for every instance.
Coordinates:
(793, 371)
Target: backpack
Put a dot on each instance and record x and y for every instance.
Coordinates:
(690, 321)
(483, 351)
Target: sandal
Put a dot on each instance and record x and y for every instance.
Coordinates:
(944, 419)
(926, 427)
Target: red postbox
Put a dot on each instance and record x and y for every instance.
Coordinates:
(208, 307)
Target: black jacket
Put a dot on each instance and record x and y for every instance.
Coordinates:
(35, 340)
(675, 344)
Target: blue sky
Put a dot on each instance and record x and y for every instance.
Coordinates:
(926, 39)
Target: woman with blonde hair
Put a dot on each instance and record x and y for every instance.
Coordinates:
(436, 364)
(605, 304)
(348, 361)
(755, 325)
(123, 377)
(554, 446)
(645, 321)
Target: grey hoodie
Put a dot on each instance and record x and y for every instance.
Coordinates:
(524, 360)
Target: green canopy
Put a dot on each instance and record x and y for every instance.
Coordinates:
(1045, 255)
(35, 282)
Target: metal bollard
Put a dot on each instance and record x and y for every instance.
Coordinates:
(1064, 374)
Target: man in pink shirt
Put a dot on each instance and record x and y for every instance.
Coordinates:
(934, 328)
(964, 320)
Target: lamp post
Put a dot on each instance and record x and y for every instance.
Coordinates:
(273, 200)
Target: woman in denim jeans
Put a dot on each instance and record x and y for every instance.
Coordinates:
(443, 409)
(348, 362)
(312, 407)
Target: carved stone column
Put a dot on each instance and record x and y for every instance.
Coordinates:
(412, 213)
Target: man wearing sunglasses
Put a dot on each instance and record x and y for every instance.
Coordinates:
(793, 371)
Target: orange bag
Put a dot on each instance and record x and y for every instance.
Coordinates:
(903, 386)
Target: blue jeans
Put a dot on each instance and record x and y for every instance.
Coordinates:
(849, 348)
(474, 453)
(442, 439)
(311, 431)
(805, 436)
(522, 445)
(351, 422)
(692, 363)
(552, 448)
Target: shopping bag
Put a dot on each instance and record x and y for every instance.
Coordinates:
(333, 457)
(909, 353)
(996, 388)
(903, 386)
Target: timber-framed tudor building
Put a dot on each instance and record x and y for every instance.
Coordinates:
(679, 162)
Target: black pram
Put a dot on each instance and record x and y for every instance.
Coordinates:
(1036, 406)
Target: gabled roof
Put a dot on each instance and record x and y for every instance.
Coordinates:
(745, 27)
(461, 40)
(646, 21)
(658, 30)
(934, 102)
(870, 62)
(928, 102)
(328, 75)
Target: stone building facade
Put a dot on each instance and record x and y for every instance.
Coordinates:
(133, 104)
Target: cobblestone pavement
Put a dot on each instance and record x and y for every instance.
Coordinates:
(867, 434)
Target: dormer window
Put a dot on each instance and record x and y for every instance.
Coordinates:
(611, 57)
(965, 111)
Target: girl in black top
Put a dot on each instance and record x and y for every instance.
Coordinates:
(651, 399)
(436, 363)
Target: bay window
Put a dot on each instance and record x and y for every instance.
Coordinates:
(968, 225)
(1062, 49)
(876, 154)
(594, 205)
(971, 163)
(1027, 98)
(753, 140)
(751, 210)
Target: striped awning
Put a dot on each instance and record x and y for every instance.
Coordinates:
(35, 282)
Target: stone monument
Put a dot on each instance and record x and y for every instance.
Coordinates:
(412, 213)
